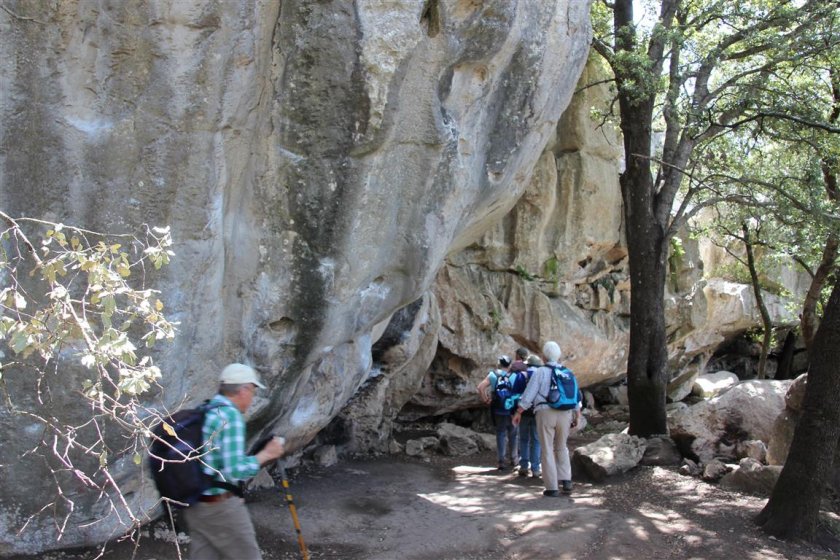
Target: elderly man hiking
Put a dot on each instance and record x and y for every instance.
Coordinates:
(219, 524)
(555, 396)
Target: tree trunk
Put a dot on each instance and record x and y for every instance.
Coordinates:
(785, 370)
(792, 511)
(808, 321)
(647, 244)
(647, 249)
(762, 307)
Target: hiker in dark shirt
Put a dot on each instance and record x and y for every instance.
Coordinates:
(501, 409)
(529, 441)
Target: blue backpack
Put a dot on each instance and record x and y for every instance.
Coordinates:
(507, 392)
(563, 393)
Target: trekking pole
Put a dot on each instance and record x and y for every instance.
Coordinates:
(285, 483)
(304, 553)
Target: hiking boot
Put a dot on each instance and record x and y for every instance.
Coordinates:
(551, 493)
(567, 486)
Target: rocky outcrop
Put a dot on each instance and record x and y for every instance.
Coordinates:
(721, 426)
(370, 201)
(547, 270)
(317, 162)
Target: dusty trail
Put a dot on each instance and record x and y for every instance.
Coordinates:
(398, 508)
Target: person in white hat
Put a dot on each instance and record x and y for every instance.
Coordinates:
(219, 524)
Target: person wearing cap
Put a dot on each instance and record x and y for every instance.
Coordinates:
(507, 437)
(529, 442)
(219, 524)
(553, 425)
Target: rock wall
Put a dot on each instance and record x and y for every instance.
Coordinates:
(318, 162)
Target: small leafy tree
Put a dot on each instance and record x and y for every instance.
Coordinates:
(77, 298)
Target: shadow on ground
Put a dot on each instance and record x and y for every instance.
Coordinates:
(398, 508)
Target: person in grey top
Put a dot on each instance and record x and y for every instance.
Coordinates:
(553, 425)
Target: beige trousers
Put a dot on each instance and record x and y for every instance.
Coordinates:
(553, 430)
(221, 531)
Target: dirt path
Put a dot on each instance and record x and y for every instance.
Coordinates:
(396, 508)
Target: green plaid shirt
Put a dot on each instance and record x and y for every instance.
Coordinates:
(224, 432)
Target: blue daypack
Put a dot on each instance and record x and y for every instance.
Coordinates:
(508, 391)
(563, 393)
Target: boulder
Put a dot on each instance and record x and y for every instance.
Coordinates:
(486, 442)
(326, 456)
(714, 470)
(690, 468)
(456, 440)
(611, 454)
(420, 447)
(661, 451)
(752, 477)
(711, 384)
(796, 393)
(682, 385)
(713, 428)
(781, 435)
(754, 449)
(316, 162)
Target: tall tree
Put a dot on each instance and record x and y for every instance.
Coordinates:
(785, 154)
(692, 73)
(793, 508)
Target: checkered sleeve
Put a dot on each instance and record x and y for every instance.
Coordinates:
(225, 430)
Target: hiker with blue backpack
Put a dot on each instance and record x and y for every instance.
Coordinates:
(501, 389)
(219, 524)
(529, 441)
(554, 393)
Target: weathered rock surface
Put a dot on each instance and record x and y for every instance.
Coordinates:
(317, 163)
(751, 477)
(611, 454)
(711, 384)
(660, 451)
(370, 201)
(713, 428)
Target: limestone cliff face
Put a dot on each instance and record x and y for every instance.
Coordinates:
(554, 267)
(318, 162)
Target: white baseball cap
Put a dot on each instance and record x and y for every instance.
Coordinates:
(235, 374)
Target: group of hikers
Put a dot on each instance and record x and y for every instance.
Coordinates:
(534, 406)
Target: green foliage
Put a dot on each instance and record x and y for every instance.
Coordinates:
(608, 284)
(82, 300)
(496, 318)
(524, 274)
(689, 74)
(551, 269)
(72, 295)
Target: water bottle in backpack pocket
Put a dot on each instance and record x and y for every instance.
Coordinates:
(505, 397)
(563, 391)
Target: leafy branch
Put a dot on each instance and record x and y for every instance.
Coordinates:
(74, 299)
